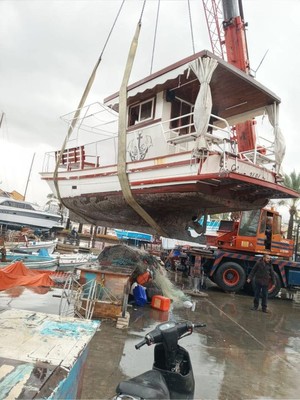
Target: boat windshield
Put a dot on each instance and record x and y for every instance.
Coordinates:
(11, 203)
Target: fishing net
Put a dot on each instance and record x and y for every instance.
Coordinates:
(139, 261)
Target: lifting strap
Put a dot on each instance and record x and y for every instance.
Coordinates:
(122, 175)
(74, 121)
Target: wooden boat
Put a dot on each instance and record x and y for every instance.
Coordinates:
(169, 153)
(68, 262)
(31, 261)
(43, 355)
(31, 246)
(53, 262)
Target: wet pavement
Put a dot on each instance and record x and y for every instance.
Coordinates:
(240, 354)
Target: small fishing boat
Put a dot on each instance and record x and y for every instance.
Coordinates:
(31, 261)
(32, 246)
(68, 262)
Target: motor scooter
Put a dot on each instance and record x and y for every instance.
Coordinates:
(172, 375)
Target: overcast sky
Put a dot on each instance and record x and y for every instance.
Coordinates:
(49, 48)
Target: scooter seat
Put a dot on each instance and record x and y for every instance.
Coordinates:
(149, 385)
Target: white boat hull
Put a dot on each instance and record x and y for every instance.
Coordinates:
(171, 189)
(68, 262)
(45, 265)
(15, 213)
(32, 246)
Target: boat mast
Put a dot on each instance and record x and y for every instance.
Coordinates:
(28, 179)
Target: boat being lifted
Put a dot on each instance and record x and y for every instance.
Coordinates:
(181, 157)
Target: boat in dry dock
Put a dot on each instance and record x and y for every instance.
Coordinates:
(175, 146)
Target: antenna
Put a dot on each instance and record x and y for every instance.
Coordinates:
(253, 72)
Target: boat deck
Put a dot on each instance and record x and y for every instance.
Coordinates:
(42, 355)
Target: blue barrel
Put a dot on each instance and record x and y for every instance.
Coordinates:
(140, 296)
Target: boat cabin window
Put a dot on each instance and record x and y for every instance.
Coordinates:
(141, 112)
(10, 203)
(276, 224)
(182, 116)
(249, 223)
(263, 221)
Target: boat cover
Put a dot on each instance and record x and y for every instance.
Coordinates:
(17, 274)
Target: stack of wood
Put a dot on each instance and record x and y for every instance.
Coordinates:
(123, 321)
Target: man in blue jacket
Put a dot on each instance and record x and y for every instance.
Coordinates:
(263, 272)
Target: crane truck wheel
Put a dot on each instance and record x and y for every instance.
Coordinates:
(230, 277)
(274, 289)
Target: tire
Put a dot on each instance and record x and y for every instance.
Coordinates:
(230, 277)
(273, 290)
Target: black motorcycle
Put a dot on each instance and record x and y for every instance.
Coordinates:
(172, 375)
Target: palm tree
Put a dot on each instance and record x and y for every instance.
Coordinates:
(292, 181)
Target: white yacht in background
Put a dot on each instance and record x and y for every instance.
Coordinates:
(17, 213)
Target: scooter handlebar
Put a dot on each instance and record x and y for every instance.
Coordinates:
(140, 344)
(202, 325)
(155, 336)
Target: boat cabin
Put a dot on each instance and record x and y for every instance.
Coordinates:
(165, 102)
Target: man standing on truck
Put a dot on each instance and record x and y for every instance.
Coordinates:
(263, 272)
(268, 233)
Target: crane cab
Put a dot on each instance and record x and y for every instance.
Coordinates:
(257, 231)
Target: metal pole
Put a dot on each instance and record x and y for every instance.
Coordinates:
(28, 179)
(296, 242)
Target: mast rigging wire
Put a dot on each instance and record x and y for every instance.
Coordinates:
(155, 35)
(191, 26)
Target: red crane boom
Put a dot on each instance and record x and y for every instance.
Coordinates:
(229, 38)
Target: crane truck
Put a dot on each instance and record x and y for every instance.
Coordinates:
(238, 244)
(236, 248)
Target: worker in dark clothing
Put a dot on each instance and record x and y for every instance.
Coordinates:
(263, 272)
(74, 233)
(268, 233)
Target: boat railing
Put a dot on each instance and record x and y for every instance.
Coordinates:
(220, 138)
(88, 156)
(263, 154)
(178, 138)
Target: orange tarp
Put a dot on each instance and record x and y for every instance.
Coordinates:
(17, 274)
